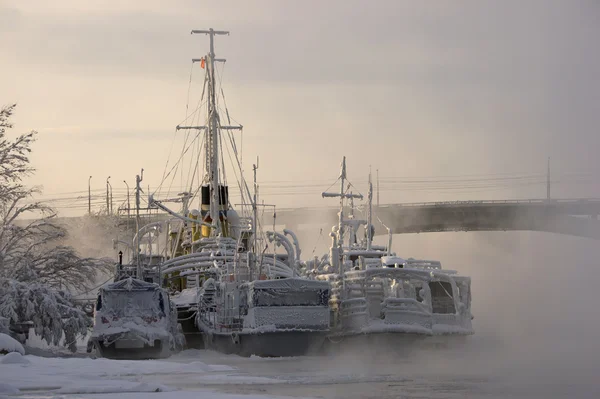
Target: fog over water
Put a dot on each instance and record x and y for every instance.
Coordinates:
(536, 327)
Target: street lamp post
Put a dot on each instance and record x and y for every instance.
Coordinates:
(90, 195)
(108, 196)
(128, 204)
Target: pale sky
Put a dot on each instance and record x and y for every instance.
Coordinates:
(412, 88)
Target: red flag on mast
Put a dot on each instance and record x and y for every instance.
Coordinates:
(202, 63)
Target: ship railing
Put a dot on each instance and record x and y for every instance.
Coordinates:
(404, 305)
(207, 312)
(228, 319)
(354, 313)
(407, 311)
(222, 319)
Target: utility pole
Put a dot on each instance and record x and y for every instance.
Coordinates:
(138, 188)
(107, 196)
(255, 216)
(377, 188)
(548, 181)
(90, 195)
(128, 204)
(370, 214)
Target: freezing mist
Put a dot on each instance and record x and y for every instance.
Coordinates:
(536, 319)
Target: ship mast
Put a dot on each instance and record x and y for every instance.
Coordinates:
(370, 214)
(342, 195)
(212, 130)
(212, 136)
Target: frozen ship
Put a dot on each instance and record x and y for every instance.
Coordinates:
(134, 319)
(379, 296)
(237, 288)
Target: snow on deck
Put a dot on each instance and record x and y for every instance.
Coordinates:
(188, 296)
(39, 377)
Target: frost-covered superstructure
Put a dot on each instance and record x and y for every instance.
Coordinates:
(135, 319)
(375, 292)
(234, 291)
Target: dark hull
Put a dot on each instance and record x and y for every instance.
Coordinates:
(146, 352)
(267, 344)
(193, 336)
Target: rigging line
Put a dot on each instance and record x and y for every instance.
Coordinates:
(243, 181)
(187, 104)
(200, 143)
(220, 79)
(238, 159)
(177, 164)
(219, 136)
(223, 93)
(92, 289)
(199, 105)
(220, 83)
(200, 101)
(352, 185)
(234, 171)
(317, 243)
(222, 159)
(333, 184)
(173, 142)
(190, 170)
(199, 132)
(187, 135)
(167, 163)
(195, 113)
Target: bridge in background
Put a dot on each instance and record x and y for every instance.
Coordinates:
(576, 217)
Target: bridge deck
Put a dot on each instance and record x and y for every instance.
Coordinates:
(561, 216)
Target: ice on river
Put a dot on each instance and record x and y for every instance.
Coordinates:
(477, 369)
(37, 377)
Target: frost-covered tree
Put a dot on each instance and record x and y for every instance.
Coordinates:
(52, 312)
(36, 269)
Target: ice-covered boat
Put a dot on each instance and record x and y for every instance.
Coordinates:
(376, 293)
(134, 319)
(231, 283)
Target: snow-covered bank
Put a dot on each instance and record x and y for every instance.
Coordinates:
(9, 344)
(33, 376)
(201, 394)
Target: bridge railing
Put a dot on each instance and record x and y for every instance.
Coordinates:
(491, 202)
(472, 202)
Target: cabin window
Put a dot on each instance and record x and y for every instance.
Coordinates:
(99, 302)
(286, 297)
(244, 302)
(418, 296)
(132, 303)
(441, 297)
(161, 303)
(463, 293)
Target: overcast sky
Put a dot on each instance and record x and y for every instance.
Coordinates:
(411, 88)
